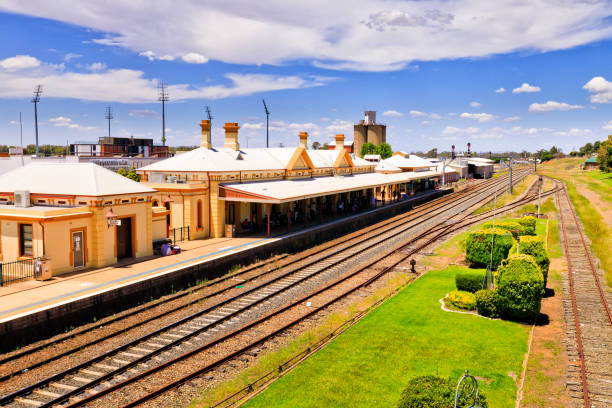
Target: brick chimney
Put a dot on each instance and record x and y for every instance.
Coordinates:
(339, 142)
(231, 136)
(304, 140)
(205, 142)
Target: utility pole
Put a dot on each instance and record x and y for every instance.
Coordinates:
(267, 123)
(539, 196)
(35, 100)
(510, 171)
(163, 98)
(109, 116)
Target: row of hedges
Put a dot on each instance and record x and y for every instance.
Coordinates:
(524, 226)
(478, 247)
(469, 281)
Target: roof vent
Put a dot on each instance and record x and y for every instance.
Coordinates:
(22, 199)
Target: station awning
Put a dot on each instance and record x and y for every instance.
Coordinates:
(281, 191)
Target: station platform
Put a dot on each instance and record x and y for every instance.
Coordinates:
(38, 309)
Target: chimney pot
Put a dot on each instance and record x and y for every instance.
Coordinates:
(231, 136)
(339, 142)
(205, 142)
(304, 140)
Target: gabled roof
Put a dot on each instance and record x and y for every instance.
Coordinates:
(79, 179)
(411, 161)
(591, 160)
(385, 166)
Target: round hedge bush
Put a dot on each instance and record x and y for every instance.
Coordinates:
(461, 300)
(514, 228)
(430, 391)
(520, 288)
(469, 281)
(534, 246)
(529, 225)
(486, 303)
(478, 247)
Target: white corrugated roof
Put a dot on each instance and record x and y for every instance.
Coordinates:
(81, 179)
(358, 161)
(412, 161)
(386, 167)
(291, 190)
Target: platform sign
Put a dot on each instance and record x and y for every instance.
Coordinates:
(116, 223)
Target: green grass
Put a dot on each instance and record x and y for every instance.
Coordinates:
(409, 335)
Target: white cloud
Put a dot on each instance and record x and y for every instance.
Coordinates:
(308, 31)
(481, 117)
(512, 119)
(62, 121)
(142, 113)
(451, 130)
(247, 125)
(153, 56)
(526, 88)
(130, 86)
(19, 62)
(426, 122)
(194, 58)
(392, 113)
(574, 132)
(600, 88)
(96, 67)
(340, 126)
(416, 113)
(607, 125)
(70, 56)
(552, 106)
(475, 104)
(434, 116)
(500, 90)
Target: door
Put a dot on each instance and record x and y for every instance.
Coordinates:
(78, 250)
(124, 239)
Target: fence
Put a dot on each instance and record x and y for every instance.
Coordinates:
(179, 234)
(11, 272)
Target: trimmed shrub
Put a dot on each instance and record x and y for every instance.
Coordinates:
(430, 391)
(520, 288)
(534, 246)
(486, 303)
(461, 300)
(515, 228)
(478, 247)
(529, 225)
(469, 281)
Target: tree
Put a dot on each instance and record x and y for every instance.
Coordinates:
(368, 148)
(604, 154)
(433, 153)
(132, 175)
(384, 150)
(316, 146)
(553, 150)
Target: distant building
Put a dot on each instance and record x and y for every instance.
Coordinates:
(347, 144)
(119, 147)
(591, 164)
(367, 130)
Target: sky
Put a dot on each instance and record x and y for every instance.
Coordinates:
(503, 75)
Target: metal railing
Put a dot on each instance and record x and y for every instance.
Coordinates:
(16, 271)
(179, 234)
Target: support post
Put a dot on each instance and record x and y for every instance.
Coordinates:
(269, 206)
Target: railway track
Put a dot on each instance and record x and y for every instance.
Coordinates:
(184, 336)
(587, 313)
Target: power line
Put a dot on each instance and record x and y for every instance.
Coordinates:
(35, 100)
(163, 98)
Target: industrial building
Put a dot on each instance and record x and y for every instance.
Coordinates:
(368, 131)
(77, 215)
(119, 147)
(214, 190)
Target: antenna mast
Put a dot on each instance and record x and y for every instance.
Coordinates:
(35, 100)
(208, 115)
(267, 123)
(109, 116)
(163, 98)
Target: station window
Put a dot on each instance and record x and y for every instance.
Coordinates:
(25, 240)
(61, 202)
(125, 201)
(200, 224)
(82, 202)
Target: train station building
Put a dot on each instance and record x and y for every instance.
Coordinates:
(77, 215)
(221, 191)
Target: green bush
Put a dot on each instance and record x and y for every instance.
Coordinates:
(486, 303)
(478, 247)
(461, 300)
(515, 228)
(469, 281)
(529, 225)
(430, 391)
(520, 288)
(534, 246)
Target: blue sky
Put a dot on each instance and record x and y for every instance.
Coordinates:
(433, 70)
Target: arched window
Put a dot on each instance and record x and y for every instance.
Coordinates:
(155, 203)
(199, 211)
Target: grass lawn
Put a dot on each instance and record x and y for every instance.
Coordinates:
(409, 335)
